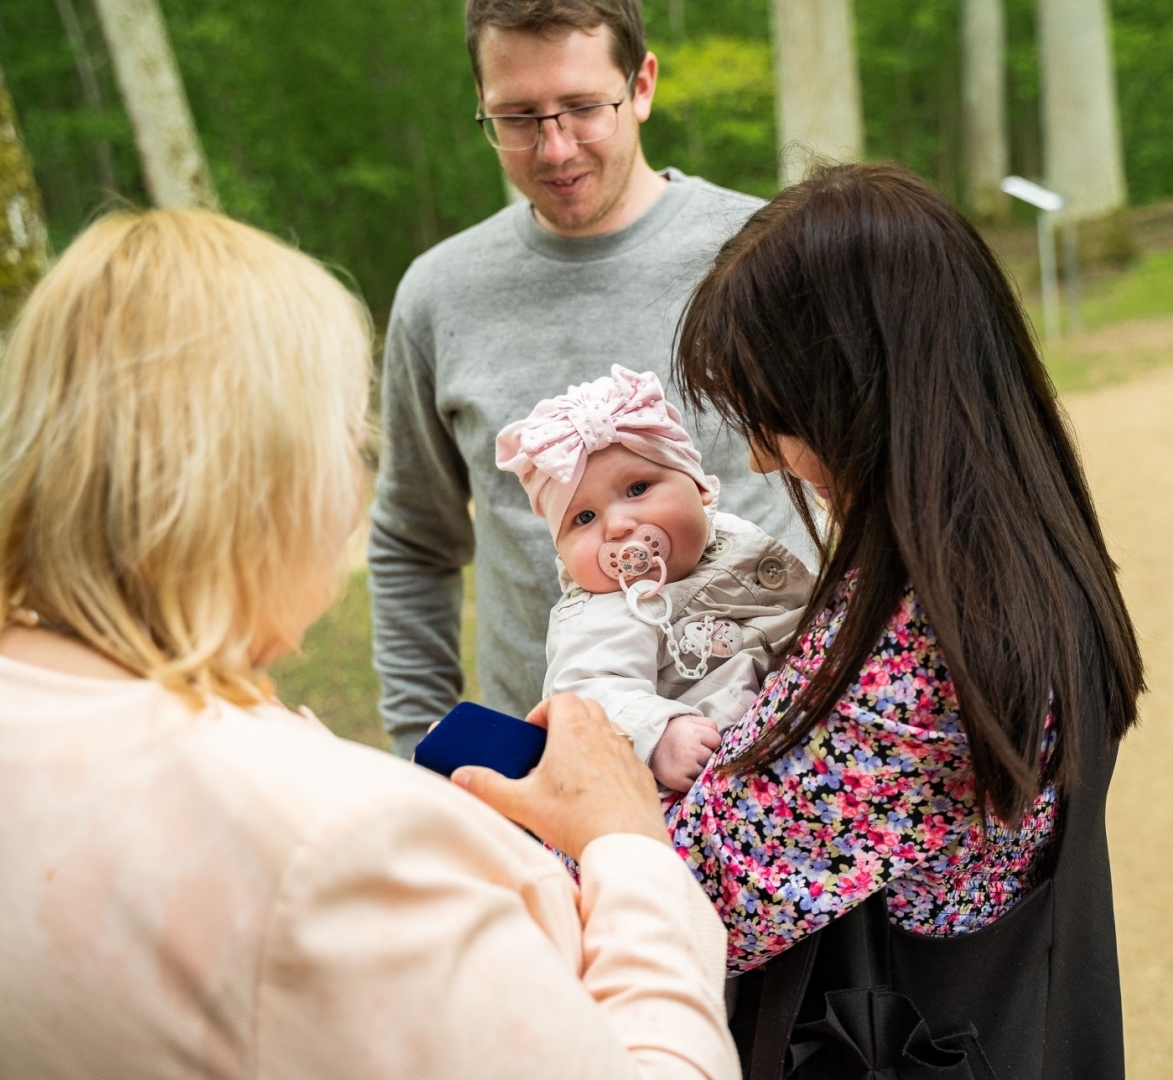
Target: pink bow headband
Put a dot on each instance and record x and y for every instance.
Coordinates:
(549, 448)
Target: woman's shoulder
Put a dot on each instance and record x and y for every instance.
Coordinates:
(313, 782)
(270, 778)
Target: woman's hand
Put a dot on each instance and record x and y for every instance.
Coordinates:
(588, 783)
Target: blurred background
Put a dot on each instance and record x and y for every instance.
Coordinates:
(347, 128)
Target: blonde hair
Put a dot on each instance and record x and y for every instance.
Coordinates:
(181, 400)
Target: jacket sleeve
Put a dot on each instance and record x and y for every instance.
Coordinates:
(597, 650)
(421, 535)
(407, 944)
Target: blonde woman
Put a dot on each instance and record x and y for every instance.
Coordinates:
(195, 881)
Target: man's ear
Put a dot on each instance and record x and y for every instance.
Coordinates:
(645, 87)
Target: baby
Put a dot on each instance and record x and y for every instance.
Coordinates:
(670, 611)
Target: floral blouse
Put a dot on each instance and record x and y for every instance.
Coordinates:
(879, 796)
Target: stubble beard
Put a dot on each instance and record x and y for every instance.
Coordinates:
(615, 175)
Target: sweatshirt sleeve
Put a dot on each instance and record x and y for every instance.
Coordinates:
(410, 943)
(597, 650)
(421, 535)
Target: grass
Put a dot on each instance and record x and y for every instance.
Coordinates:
(1111, 355)
(1129, 318)
(1144, 289)
(1128, 326)
(333, 675)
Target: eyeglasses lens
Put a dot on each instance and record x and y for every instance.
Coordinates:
(591, 124)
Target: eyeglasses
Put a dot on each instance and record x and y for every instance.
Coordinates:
(582, 124)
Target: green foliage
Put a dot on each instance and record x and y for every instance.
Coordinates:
(714, 114)
(62, 133)
(719, 18)
(347, 126)
(1143, 31)
(910, 73)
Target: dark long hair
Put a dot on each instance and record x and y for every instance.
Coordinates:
(860, 312)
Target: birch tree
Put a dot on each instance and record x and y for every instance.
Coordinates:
(174, 166)
(983, 104)
(818, 93)
(24, 247)
(1081, 128)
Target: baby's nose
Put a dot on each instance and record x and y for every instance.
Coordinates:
(620, 526)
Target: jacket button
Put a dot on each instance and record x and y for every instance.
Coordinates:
(771, 572)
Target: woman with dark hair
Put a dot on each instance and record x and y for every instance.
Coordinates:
(905, 834)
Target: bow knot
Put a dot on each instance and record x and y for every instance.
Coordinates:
(595, 425)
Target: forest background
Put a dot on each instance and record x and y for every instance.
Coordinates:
(347, 126)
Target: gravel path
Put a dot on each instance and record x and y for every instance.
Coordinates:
(1126, 433)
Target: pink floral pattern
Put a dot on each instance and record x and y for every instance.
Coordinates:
(879, 796)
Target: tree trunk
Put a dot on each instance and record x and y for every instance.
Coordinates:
(24, 245)
(819, 111)
(1081, 128)
(174, 166)
(983, 103)
(91, 91)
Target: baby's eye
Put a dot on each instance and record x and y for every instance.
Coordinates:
(584, 518)
(637, 489)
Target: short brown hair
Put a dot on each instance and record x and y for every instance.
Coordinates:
(624, 17)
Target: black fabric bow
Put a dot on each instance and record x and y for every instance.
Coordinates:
(878, 1034)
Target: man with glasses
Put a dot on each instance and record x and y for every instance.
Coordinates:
(592, 269)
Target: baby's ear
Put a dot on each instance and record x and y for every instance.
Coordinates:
(706, 496)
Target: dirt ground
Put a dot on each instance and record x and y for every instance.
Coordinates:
(1126, 434)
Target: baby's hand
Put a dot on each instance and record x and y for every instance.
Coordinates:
(684, 750)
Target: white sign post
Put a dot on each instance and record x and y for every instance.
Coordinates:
(1048, 203)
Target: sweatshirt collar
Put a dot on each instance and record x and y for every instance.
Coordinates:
(582, 249)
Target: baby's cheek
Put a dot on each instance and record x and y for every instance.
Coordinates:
(582, 564)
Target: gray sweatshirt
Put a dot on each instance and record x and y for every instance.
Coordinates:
(484, 326)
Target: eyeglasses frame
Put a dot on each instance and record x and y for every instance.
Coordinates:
(481, 118)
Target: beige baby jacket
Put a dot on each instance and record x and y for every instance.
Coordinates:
(597, 649)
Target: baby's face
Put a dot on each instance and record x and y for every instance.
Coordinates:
(619, 491)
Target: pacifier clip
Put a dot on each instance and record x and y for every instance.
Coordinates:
(647, 547)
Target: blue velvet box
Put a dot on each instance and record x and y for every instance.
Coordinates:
(473, 735)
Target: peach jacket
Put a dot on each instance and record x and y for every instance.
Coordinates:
(238, 893)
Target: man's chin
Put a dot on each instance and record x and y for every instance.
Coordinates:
(569, 215)
(568, 219)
